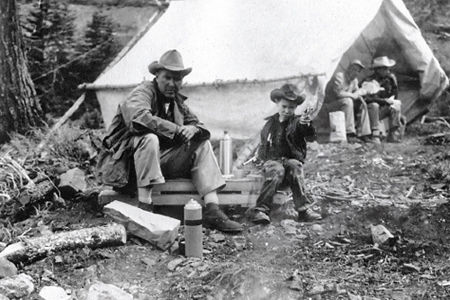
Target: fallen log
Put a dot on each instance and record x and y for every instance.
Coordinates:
(33, 249)
(15, 182)
(37, 193)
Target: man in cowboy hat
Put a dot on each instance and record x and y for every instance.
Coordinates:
(283, 151)
(154, 136)
(343, 94)
(383, 103)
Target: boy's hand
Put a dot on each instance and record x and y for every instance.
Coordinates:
(305, 120)
(390, 100)
(359, 93)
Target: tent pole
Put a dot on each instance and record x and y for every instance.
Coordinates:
(63, 119)
(93, 86)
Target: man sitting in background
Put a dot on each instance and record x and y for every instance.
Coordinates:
(343, 94)
(383, 103)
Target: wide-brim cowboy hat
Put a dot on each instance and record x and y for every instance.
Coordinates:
(382, 61)
(172, 61)
(287, 92)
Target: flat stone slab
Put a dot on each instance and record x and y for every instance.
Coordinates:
(159, 230)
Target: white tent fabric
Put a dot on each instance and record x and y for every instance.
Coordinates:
(240, 50)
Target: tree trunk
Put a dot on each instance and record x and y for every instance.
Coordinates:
(19, 108)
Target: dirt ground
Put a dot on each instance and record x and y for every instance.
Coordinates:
(404, 187)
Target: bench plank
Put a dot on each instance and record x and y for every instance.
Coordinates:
(185, 185)
(224, 199)
(179, 191)
(108, 196)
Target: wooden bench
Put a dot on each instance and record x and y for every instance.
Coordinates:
(243, 192)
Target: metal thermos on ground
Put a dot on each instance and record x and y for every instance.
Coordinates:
(193, 234)
(226, 154)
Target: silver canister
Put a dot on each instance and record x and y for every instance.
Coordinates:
(226, 154)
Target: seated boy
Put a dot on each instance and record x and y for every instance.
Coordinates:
(283, 151)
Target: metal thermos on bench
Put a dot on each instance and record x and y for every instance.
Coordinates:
(226, 154)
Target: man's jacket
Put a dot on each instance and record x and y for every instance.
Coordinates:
(296, 135)
(339, 83)
(389, 85)
(136, 116)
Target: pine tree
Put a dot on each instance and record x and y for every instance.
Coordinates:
(50, 49)
(99, 45)
(99, 50)
(58, 61)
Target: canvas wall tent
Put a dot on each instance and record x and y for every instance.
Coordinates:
(240, 50)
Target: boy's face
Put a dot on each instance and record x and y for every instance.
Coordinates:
(286, 109)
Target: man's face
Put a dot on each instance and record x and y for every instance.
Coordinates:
(286, 108)
(353, 71)
(382, 71)
(169, 83)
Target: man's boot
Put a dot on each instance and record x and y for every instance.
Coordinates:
(217, 219)
(146, 206)
(308, 215)
(396, 133)
(375, 139)
(261, 215)
(145, 198)
(351, 138)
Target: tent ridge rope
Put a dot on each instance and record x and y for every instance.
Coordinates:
(216, 83)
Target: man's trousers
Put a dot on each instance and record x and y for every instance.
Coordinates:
(194, 160)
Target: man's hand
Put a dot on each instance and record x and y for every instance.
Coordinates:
(390, 100)
(186, 133)
(359, 93)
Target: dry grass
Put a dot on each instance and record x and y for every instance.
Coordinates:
(67, 143)
(40, 152)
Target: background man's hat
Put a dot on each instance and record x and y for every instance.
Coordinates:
(358, 63)
(172, 61)
(382, 61)
(288, 92)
